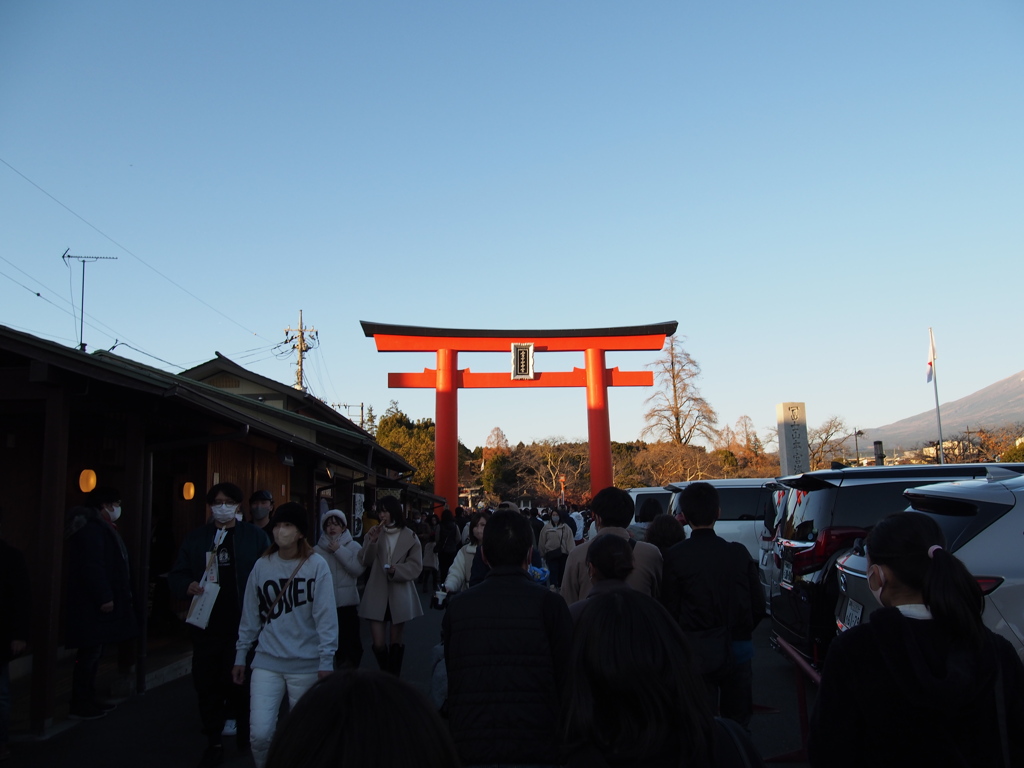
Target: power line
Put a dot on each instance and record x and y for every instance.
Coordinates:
(122, 344)
(113, 333)
(130, 253)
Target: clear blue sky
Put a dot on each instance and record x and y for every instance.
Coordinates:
(805, 187)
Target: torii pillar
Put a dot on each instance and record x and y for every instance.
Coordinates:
(446, 380)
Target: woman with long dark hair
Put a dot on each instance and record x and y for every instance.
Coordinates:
(634, 698)
(448, 543)
(924, 682)
(394, 557)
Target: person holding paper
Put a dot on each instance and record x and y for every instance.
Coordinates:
(215, 561)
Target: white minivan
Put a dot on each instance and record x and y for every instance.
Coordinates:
(747, 505)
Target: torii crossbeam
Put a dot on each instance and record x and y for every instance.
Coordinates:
(446, 380)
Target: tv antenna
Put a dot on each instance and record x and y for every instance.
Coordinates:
(81, 308)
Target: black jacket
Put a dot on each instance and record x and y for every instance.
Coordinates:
(709, 582)
(249, 541)
(898, 692)
(506, 645)
(98, 574)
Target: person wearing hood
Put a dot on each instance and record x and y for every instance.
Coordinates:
(924, 682)
(342, 555)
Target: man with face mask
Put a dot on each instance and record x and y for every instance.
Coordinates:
(223, 551)
(101, 610)
(261, 505)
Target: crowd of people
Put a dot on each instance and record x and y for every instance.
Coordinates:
(597, 637)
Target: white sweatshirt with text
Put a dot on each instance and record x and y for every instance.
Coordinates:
(301, 635)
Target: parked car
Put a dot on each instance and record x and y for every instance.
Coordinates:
(770, 561)
(983, 521)
(826, 512)
(746, 503)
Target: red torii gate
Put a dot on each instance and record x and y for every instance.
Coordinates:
(446, 380)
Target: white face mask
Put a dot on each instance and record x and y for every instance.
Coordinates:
(286, 535)
(224, 513)
(877, 572)
(114, 513)
(554, 519)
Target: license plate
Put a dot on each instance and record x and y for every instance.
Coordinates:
(787, 572)
(853, 614)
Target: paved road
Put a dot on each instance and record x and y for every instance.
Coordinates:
(160, 729)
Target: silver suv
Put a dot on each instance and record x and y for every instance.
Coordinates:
(826, 512)
(983, 521)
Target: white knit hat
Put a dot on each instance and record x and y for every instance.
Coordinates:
(334, 513)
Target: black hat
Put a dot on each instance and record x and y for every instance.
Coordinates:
(291, 513)
(260, 496)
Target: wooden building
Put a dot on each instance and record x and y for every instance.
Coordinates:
(162, 439)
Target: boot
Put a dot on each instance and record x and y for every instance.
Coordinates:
(381, 653)
(395, 660)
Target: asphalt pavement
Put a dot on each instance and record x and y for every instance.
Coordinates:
(161, 729)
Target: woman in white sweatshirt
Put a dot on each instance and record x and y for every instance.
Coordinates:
(290, 595)
(342, 555)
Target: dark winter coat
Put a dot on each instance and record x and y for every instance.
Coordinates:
(249, 541)
(98, 573)
(506, 644)
(898, 692)
(709, 582)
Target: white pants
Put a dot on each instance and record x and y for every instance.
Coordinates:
(266, 691)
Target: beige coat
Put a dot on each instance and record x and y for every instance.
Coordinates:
(646, 575)
(555, 537)
(397, 590)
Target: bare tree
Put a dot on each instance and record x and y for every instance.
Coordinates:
(663, 463)
(549, 460)
(995, 441)
(678, 413)
(496, 440)
(827, 442)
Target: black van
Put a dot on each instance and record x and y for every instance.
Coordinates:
(826, 512)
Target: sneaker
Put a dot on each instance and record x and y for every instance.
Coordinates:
(106, 706)
(213, 756)
(230, 728)
(87, 712)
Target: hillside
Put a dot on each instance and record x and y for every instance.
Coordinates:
(995, 405)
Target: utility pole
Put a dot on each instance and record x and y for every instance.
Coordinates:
(301, 347)
(349, 408)
(81, 308)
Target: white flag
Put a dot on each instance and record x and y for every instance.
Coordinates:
(931, 356)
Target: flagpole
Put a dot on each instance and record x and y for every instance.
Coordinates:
(935, 381)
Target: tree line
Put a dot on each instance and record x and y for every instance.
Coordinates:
(681, 441)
